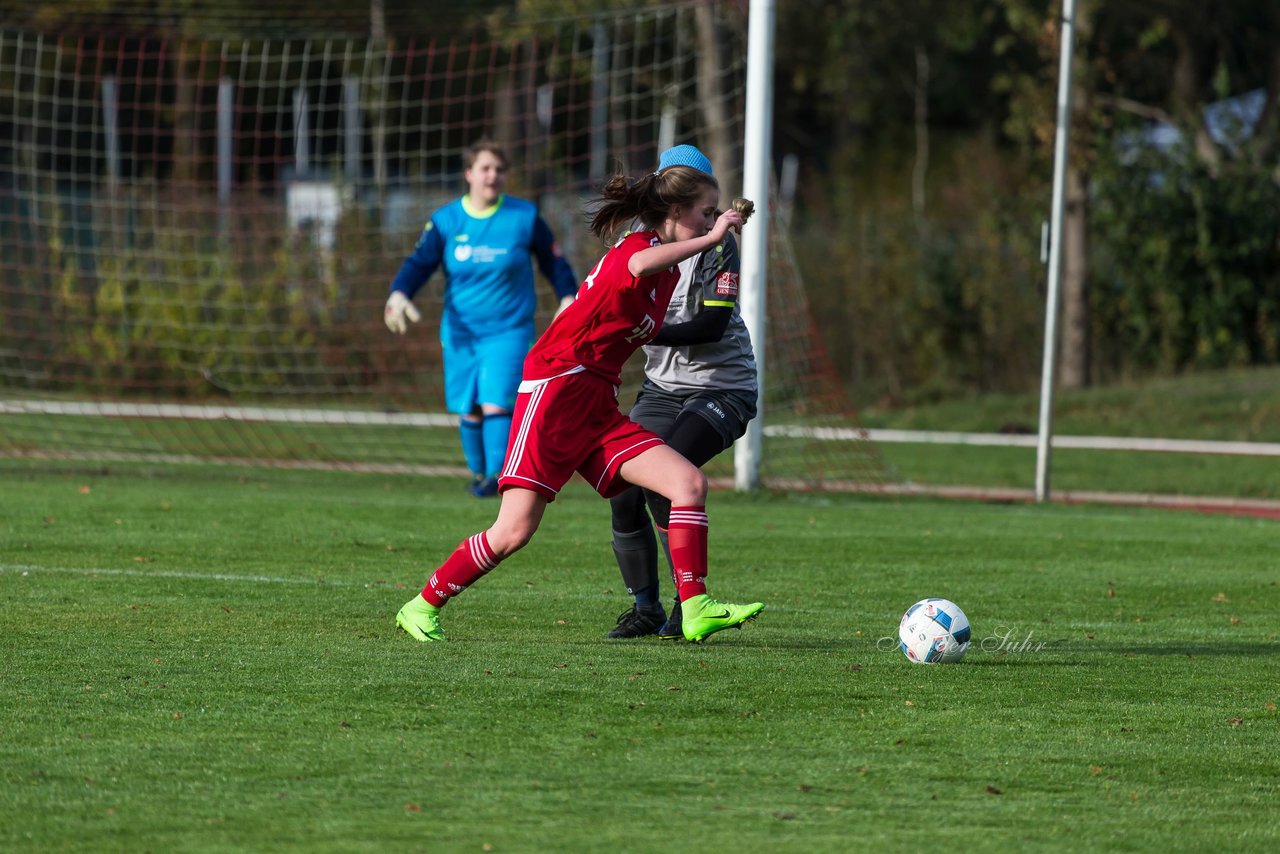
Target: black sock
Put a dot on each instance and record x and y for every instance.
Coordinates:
(637, 553)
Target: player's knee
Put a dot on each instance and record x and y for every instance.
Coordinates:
(690, 488)
(507, 538)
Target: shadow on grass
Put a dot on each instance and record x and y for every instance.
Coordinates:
(1031, 660)
(1050, 654)
(1192, 649)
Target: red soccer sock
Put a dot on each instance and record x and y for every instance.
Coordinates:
(687, 536)
(470, 560)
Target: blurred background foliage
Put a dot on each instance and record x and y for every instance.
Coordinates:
(923, 132)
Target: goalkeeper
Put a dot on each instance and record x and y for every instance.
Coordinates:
(699, 393)
(485, 241)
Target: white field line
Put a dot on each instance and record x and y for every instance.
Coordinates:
(25, 569)
(237, 462)
(338, 417)
(113, 409)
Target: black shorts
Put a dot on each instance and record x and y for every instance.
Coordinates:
(728, 411)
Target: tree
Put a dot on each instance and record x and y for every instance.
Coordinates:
(1147, 60)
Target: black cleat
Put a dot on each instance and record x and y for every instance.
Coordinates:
(641, 620)
(671, 629)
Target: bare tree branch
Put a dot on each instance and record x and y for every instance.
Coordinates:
(1136, 108)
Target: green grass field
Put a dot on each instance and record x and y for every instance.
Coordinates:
(1086, 470)
(1237, 405)
(202, 660)
(1241, 405)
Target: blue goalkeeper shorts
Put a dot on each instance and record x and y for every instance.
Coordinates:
(483, 369)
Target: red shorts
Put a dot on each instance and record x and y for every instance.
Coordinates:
(571, 424)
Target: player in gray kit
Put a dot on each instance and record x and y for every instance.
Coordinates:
(698, 394)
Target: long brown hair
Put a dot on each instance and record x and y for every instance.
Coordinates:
(648, 199)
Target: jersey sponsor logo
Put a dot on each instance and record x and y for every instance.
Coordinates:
(727, 285)
(644, 331)
(464, 252)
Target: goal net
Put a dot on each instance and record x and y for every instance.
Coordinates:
(201, 216)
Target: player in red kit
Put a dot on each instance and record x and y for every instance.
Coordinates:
(566, 416)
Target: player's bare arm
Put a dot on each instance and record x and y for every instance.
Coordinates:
(646, 262)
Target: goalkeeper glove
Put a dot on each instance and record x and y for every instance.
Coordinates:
(399, 312)
(565, 302)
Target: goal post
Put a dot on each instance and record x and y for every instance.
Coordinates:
(755, 244)
(202, 217)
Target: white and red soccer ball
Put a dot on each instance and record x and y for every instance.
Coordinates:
(934, 631)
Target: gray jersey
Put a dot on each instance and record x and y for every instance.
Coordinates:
(708, 279)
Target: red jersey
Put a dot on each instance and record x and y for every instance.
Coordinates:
(614, 315)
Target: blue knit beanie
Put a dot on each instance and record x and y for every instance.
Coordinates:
(685, 155)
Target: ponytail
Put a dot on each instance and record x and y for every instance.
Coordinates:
(648, 199)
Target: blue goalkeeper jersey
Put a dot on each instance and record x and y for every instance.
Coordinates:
(487, 257)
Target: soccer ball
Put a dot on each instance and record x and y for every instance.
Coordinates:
(934, 631)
